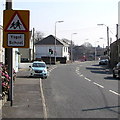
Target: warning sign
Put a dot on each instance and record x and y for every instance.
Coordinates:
(16, 24)
(16, 29)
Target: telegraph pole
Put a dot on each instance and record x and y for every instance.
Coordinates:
(108, 42)
(9, 59)
(117, 43)
(33, 43)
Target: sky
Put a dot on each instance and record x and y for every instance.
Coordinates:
(79, 16)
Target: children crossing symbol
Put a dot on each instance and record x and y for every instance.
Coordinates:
(16, 24)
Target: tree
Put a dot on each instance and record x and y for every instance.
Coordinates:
(38, 36)
(87, 44)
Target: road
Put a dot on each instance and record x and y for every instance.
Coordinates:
(80, 90)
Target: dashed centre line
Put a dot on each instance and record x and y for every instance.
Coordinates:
(81, 75)
(114, 92)
(87, 79)
(98, 84)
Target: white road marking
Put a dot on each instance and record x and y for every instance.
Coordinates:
(51, 69)
(114, 92)
(76, 70)
(98, 84)
(87, 79)
(43, 100)
(81, 75)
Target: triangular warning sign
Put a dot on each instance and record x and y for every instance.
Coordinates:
(16, 24)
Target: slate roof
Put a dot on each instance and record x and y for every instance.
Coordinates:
(50, 40)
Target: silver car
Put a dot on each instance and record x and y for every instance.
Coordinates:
(39, 69)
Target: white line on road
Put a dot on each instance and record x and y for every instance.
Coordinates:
(87, 79)
(78, 73)
(114, 92)
(43, 100)
(81, 75)
(98, 84)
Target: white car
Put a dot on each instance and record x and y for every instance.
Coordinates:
(39, 69)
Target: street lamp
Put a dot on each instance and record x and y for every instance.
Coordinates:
(96, 50)
(55, 39)
(72, 47)
(107, 37)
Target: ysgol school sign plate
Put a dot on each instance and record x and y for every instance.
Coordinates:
(16, 29)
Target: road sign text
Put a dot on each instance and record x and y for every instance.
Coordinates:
(16, 39)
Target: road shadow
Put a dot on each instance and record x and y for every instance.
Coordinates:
(111, 78)
(96, 65)
(29, 77)
(110, 108)
(22, 77)
(94, 68)
(97, 70)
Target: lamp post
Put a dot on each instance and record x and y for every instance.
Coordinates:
(55, 39)
(107, 37)
(72, 47)
(117, 43)
(96, 50)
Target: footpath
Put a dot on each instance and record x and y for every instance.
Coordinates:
(27, 102)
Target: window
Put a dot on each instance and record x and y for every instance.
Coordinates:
(38, 65)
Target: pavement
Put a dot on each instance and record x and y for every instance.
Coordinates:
(27, 101)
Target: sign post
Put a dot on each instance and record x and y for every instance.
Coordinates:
(15, 35)
(16, 29)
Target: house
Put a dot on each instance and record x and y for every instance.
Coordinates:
(115, 53)
(60, 50)
(115, 46)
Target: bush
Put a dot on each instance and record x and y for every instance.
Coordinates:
(5, 80)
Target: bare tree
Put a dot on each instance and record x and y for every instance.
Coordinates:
(38, 36)
(87, 44)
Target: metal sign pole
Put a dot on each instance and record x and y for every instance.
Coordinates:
(9, 59)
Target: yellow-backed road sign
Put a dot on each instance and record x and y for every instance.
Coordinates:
(16, 29)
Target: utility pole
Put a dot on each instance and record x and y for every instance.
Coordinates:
(117, 43)
(108, 46)
(108, 42)
(71, 48)
(33, 42)
(9, 59)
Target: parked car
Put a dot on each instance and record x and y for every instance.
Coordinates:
(116, 71)
(103, 62)
(38, 68)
